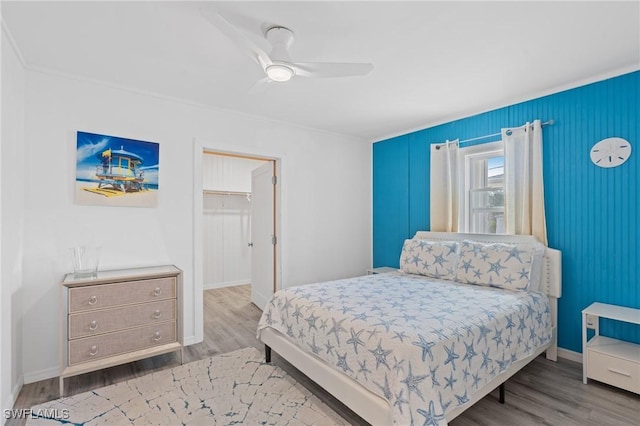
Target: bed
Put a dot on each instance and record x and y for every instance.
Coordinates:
(465, 313)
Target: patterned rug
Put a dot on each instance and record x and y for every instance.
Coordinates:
(234, 388)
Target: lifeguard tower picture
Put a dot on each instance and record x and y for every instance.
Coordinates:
(116, 171)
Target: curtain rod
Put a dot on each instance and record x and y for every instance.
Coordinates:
(546, 123)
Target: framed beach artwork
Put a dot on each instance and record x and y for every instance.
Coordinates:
(115, 171)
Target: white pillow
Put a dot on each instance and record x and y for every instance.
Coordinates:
(435, 259)
(507, 266)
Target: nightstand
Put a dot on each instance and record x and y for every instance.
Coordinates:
(381, 270)
(608, 360)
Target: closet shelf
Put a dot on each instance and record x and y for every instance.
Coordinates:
(214, 192)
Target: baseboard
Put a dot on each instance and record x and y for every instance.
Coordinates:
(191, 340)
(570, 355)
(260, 300)
(225, 284)
(45, 374)
(49, 373)
(11, 399)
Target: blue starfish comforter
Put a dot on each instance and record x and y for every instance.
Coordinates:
(424, 345)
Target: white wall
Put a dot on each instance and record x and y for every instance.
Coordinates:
(326, 196)
(11, 223)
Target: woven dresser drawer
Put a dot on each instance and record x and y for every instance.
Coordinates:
(105, 345)
(113, 319)
(124, 293)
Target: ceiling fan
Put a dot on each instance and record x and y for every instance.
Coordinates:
(277, 64)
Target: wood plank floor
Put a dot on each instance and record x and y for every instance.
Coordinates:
(543, 393)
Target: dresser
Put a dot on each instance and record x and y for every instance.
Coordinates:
(118, 316)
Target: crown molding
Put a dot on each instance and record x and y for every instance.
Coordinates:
(6, 32)
(183, 101)
(514, 101)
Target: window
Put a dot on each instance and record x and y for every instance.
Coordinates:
(481, 191)
(487, 188)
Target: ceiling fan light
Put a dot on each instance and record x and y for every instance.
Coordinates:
(279, 72)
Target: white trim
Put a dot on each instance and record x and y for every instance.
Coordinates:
(260, 300)
(198, 297)
(570, 355)
(221, 148)
(199, 147)
(13, 43)
(12, 398)
(183, 101)
(512, 101)
(36, 376)
(465, 155)
(191, 340)
(211, 286)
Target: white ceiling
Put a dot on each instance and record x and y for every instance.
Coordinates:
(434, 61)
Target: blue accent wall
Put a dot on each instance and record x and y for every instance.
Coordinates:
(592, 212)
(390, 198)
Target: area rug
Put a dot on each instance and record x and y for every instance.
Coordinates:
(230, 389)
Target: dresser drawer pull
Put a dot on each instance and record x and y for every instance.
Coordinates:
(93, 300)
(157, 314)
(93, 351)
(622, 373)
(157, 291)
(93, 326)
(156, 336)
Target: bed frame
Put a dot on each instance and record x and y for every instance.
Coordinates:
(377, 410)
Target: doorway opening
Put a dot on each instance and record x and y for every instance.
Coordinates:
(263, 228)
(239, 223)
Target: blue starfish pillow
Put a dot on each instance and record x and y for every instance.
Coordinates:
(507, 266)
(435, 259)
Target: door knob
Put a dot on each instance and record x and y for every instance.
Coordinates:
(250, 244)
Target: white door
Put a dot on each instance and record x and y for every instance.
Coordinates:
(263, 237)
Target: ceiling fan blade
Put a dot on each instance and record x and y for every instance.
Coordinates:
(261, 86)
(238, 37)
(329, 70)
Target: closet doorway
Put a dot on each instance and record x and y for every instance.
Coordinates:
(238, 223)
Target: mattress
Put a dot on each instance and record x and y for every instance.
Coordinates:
(424, 345)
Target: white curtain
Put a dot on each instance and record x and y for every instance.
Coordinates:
(444, 187)
(524, 195)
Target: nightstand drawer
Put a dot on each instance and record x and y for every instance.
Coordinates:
(125, 293)
(107, 320)
(615, 371)
(105, 345)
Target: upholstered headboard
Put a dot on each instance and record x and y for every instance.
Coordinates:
(551, 280)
